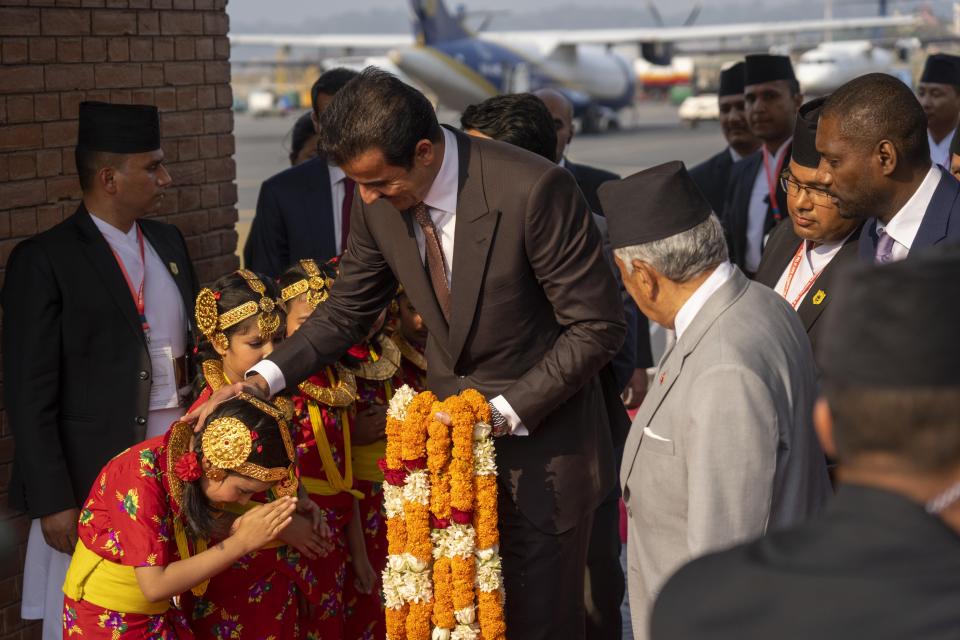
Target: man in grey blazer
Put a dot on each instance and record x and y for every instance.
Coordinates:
(722, 448)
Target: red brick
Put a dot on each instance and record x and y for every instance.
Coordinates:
(183, 73)
(21, 136)
(228, 241)
(220, 218)
(115, 23)
(191, 224)
(226, 145)
(168, 206)
(117, 75)
(4, 171)
(142, 96)
(163, 49)
(69, 50)
(206, 97)
(165, 99)
(43, 50)
(152, 75)
(121, 96)
(188, 199)
(181, 124)
(184, 49)
(46, 106)
(48, 163)
(19, 22)
(203, 5)
(204, 48)
(22, 193)
(221, 170)
(23, 223)
(162, 4)
(70, 103)
(19, 109)
(15, 51)
(173, 23)
(64, 77)
(65, 22)
(92, 3)
(170, 154)
(183, 5)
(209, 195)
(94, 50)
(21, 78)
(221, 48)
(224, 96)
(60, 134)
(216, 24)
(217, 72)
(187, 173)
(139, 4)
(213, 268)
(208, 147)
(187, 150)
(23, 166)
(99, 95)
(63, 188)
(141, 49)
(187, 99)
(48, 216)
(69, 161)
(118, 50)
(148, 23)
(228, 194)
(218, 121)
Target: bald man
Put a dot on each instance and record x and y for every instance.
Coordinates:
(588, 178)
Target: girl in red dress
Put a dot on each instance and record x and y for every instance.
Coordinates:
(323, 441)
(260, 595)
(410, 335)
(144, 530)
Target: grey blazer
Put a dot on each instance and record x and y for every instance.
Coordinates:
(736, 455)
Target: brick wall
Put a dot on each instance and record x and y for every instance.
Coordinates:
(54, 54)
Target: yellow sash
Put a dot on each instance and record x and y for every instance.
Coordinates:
(335, 483)
(107, 584)
(365, 459)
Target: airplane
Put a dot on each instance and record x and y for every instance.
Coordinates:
(831, 64)
(462, 67)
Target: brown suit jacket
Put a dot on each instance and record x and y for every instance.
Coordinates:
(535, 314)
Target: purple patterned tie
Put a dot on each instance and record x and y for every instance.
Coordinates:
(884, 251)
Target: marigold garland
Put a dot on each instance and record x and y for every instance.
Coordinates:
(440, 497)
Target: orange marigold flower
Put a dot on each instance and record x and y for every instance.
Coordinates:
(464, 571)
(418, 531)
(414, 432)
(394, 451)
(396, 620)
(443, 594)
(396, 536)
(418, 621)
(485, 513)
(440, 495)
(479, 404)
(490, 616)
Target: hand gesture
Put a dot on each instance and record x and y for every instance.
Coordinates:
(254, 385)
(60, 530)
(301, 536)
(365, 579)
(263, 524)
(370, 425)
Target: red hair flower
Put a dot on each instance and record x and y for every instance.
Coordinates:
(187, 467)
(359, 351)
(216, 295)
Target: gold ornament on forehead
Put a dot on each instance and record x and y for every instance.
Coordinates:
(315, 285)
(212, 323)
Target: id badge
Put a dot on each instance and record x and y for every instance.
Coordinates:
(163, 391)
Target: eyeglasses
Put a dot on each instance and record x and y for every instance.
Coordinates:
(817, 196)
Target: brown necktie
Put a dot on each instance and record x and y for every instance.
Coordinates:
(436, 265)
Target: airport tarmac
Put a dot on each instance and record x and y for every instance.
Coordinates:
(652, 133)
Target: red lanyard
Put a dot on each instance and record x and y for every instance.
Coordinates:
(772, 180)
(138, 293)
(793, 271)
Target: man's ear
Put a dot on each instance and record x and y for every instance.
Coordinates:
(107, 177)
(649, 282)
(823, 424)
(887, 156)
(425, 152)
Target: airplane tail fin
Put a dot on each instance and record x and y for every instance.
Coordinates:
(434, 24)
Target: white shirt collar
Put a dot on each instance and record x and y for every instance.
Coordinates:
(734, 155)
(112, 234)
(906, 222)
(336, 173)
(443, 192)
(782, 149)
(940, 151)
(694, 303)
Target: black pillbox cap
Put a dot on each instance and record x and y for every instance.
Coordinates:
(118, 128)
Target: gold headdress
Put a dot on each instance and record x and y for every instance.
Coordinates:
(212, 324)
(227, 444)
(315, 285)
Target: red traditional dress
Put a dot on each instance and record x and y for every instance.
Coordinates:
(127, 521)
(380, 361)
(258, 596)
(322, 440)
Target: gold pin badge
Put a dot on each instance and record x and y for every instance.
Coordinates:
(819, 296)
(174, 269)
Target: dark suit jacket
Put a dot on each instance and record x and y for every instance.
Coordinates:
(712, 177)
(941, 222)
(75, 362)
(780, 251)
(535, 316)
(589, 180)
(874, 565)
(294, 220)
(736, 210)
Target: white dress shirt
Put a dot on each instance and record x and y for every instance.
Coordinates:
(812, 262)
(940, 151)
(338, 191)
(757, 211)
(441, 200)
(905, 223)
(736, 157)
(694, 303)
(162, 303)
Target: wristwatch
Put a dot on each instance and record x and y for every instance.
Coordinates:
(498, 422)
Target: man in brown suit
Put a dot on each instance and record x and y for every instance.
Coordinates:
(496, 249)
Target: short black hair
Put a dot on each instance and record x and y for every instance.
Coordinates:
(377, 110)
(302, 131)
(521, 119)
(89, 162)
(330, 82)
(876, 107)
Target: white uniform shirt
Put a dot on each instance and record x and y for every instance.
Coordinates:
(940, 151)
(812, 262)
(906, 222)
(757, 211)
(338, 192)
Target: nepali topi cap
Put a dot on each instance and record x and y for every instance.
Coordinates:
(804, 151)
(941, 68)
(731, 80)
(118, 128)
(762, 67)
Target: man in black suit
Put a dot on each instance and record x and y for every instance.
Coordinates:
(95, 332)
(496, 249)
(588, 178)
(939, 94)
(807, 251)
(755, 200)
(713, 175)
(876, 163)
(883, 561)
(303, 211)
